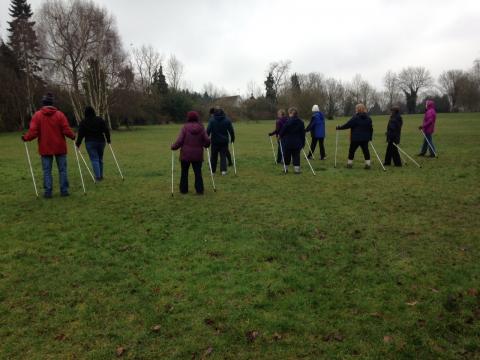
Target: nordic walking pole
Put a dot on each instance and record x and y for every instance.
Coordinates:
(116, 162)
(428, 142)
(336, 148)
(378, 157)
(310, 147)
(31, 169)
(416, 163)
(234, 160)
(88, 169)
(308, 161)
(283, 158)
(273, 150)
(172, 170)
(211, 171)
(79, 168)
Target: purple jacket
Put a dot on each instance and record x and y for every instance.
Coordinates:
(279, 125)
(192, 139)
(429, 118)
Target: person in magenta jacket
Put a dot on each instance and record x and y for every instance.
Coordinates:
(428, 128)
(191, 141)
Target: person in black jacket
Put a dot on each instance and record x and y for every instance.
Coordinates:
(394, 129)
(361, 134)
(95, 131)
(221, 132)
(228, 154)
(292, 137)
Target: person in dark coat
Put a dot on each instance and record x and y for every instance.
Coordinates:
(51, 127)
(221, 133)
(228, 154)
(281, 120)
(361, 134)
(95, 131)
(192, 139)
(317, 130)
(292, 137)
(394, 130)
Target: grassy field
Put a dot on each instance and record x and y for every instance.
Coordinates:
(347, 264)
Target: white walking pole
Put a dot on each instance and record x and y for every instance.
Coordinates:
(211, 171)
(86, 165)
(306, 158)
(273, 150)
(172, 170)
(234, 160)
(31, 169)
(116, 162)
(79, 168)
(416, 163)
(378, 157)
(336, 148)
(310, 147)
(283, 158)
(428, 142)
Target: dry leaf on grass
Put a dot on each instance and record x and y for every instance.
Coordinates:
(387, 339)
(120, 351)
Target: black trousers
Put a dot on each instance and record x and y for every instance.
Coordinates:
(229, 157)
(292, 155)
(197, 170)
(279, 154)
(354, 146)
(313, 145)
(392, 153)
(222, 151)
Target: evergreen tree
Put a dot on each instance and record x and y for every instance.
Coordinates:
(271, 94)
(295, 83)
(24, 43)
(160, 82)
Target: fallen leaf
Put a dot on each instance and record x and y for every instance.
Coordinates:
(60, 337)
(277, 336)
(120, 351)
(207, 352)
(413, 303)
(209, 322)
(472, 292)
(377, 315)
(387, 339)
(333, 336)
(434, 290)
(252, 335)
(156, 328)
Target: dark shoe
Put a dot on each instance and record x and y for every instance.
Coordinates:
(367, 167)
(64, 194)
(47, 196)
(385, 164)
(432, 156)
(349, 166)
(324, 158)
(420, 154)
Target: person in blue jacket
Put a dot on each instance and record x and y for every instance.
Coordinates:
(361, 134)
(292, 137)
(317, 129)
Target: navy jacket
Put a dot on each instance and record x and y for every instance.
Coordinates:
(394, 128)
(93, 129)
(292, 134)
(317, 125)
(220, 130)
(361, 125)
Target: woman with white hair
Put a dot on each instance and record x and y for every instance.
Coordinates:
(317, 129)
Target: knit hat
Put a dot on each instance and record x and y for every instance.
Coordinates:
(90, 112)
(47, 99)
(192, 116)
(315, 108)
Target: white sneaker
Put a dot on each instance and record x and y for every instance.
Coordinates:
(224, 173)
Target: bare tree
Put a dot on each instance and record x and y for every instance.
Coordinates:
(451, 82)
(174, 72)
(411, 80)
(392, 89)
(72, 33)
(279, 71)
(147, 61)
(361, 91)
(253, 90)
(334, 90)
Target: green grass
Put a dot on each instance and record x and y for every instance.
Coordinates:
(319, 267)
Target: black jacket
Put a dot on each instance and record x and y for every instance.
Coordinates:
(292, 134)
(394, 128)
(93, 129)
(220, 128)
(361, 125)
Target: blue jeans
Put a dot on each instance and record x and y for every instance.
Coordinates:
(95, 152)
(425, 145)
(47, 162)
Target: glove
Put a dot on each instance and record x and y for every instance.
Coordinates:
(337, 127)
(23, 139)
(271, 134)
(420, 127)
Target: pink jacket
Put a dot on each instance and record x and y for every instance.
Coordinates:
(429, 118)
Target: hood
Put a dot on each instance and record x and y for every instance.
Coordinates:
(219, 117)
(48, 110)
(194, 128)
(430, 104)
(362, 115)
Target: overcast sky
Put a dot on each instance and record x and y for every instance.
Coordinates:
(231, 43)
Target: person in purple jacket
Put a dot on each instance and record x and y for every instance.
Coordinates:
(192, 139)
(281, 120)
(428, 128)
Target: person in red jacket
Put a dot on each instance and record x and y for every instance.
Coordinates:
(50, 126)
(192, 139)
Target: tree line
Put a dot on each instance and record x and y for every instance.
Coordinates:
(75, 51)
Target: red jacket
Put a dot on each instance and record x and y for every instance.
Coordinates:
(50, 126)
(192, 140)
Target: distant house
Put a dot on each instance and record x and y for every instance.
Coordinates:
(229, 101)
